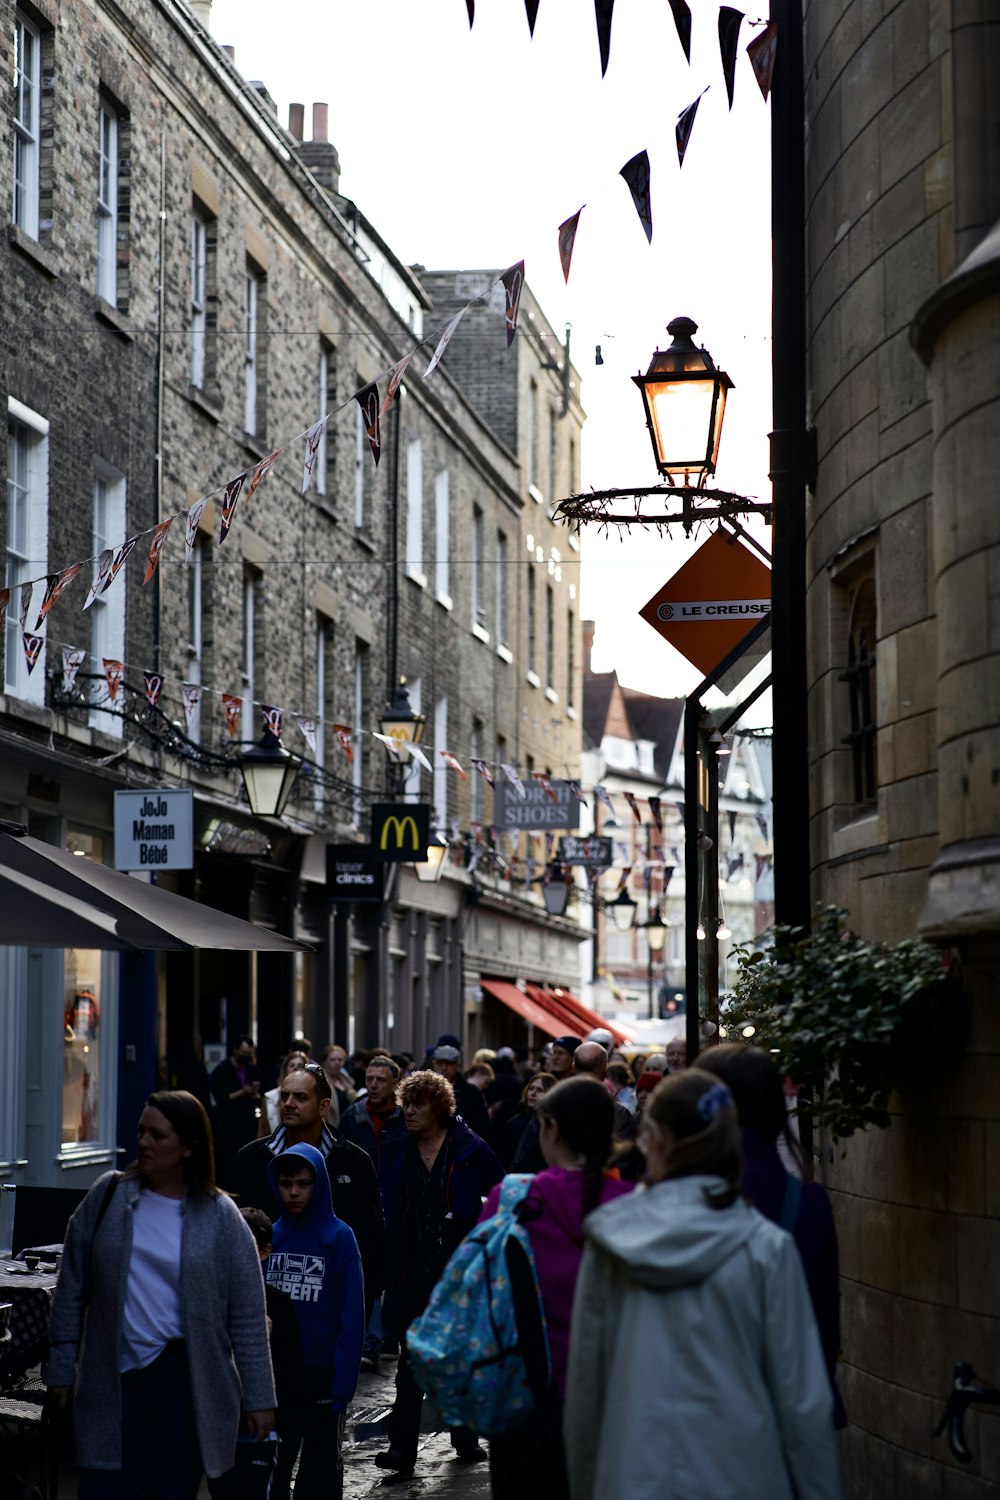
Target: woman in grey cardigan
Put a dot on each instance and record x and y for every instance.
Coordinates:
(158, 1319)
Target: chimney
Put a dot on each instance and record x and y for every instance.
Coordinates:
(296, 120)
(588, 627)
(201, 10)
(318, 154)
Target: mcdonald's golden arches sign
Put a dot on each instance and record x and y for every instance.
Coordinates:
(400, 831)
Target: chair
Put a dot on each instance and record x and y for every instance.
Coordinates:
(42, 1213)
(19, 1421)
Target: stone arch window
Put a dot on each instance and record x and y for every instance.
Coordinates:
(859, 676)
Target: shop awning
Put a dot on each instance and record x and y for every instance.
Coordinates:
(579, 1018)
(523, 1005)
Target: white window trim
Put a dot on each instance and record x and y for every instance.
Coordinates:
(27, 136)
(251, 313)
(323, 404)
(505, 653)
(415, 512)
(107, 612)
(481, 634)
(34, 563)
(199, 293)
(533, 678)
(442, 537)
(107, 206)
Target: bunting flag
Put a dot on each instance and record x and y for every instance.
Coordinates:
(531, 6)
(259, 473)
(313, 439)
(229, 501)
(763, 865)
(550, 843)
(307, 728)
(26, 589)
(511, 774)
(654, 808)
(633, 804)
(32, 649)
(685, 125)
(545, 784)
(395, 381)
(682, 20)
(391, 744)
(636, 174)
(733, 866)
(470, 6)
(762, 52)
(121, 558)
(194, 516)
(105, 563)
(483, 769)
(513, 281)
(730, 21)
(601, 794)
(567, 239)
(668, 871)
(153, 682)
(114, 671)
(476, 829)
(577, 791)
(232, 707)
(450, 760)
(4, 606)
(192, 697)
(55, 584)
(156, 547)
(367, 399)
(417, 754)
(603, 10)
(346, 741)
(475, 856)
(732, 825)
(443, 343)
(73, 658)
(271, 719)
(456, 831)
(761, 824)
(647, 878)
(623, 880)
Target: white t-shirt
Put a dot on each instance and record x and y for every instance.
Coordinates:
(152, 1295)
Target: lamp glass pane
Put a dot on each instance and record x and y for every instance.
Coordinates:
(682, 419)
(656, 936)
(268, 786)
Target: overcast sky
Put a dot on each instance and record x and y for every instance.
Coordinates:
(468, 149)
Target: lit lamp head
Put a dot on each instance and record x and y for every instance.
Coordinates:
(684, 394)
(623, 910)
(400, 722)
(430, 869)
(269, 773)
(656, 931)
(555, 891)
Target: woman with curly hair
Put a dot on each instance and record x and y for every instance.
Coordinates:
(692, 1321)
(447, 1171)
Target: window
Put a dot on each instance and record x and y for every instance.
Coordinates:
(861, 686)
(107, 613)
(532, 622)
(478, 605)
(442, 523)
(362, 458)
(27, 126)
(27, 537)
(570, 660)
(477, 783)
(199, 298)
(415, 510)
(440, 769)
(107, 205)
(531, 438)
(553, 455)
(411, 779)
(324, 472)
(254, 374)
(360, 737)
(550, 637)
(324, 683)
(195, 630)
(501, 622)
(251, 727)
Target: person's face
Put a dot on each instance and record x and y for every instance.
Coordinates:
(295, 1189)
(334, 1061)
(536, 1091)
(447, 1069)
(381, 1087)
(295, 1063)
(299, 1101)
(655, 1142)
(419, 1119)
(160, 1151)
(481, 1080)
(641, 1095)
(561, 1062)
(676, 1054)
(243, 1056)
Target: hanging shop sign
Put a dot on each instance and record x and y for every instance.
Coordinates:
(595, 852)
(153, 830)
(400, 831)
(712, 602)
(532, 804)
(353, 873)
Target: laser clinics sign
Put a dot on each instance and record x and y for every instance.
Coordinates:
(712, 602)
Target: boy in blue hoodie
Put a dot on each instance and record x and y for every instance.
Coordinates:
(315, 1260)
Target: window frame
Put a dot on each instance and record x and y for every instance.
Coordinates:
(29, 561)
(199, 298)
(252, 287)
(107, 610)
(415, 511)
(108, 162)
(27, 128)
(442, 537)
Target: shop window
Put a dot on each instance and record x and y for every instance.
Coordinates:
(83, 1028)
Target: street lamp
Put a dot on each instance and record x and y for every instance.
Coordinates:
(656, 935)
(623, 910)
(400, 721)
(269, 773)
(684, 394)
(555, 891)
(430, 869)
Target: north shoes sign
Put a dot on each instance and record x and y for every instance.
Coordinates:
(712, 602)
(400, 831)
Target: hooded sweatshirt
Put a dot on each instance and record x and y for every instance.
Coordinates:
(692, 1322)
(553, 1216)
(315, 1260)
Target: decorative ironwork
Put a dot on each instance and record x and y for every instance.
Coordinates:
(660, 505)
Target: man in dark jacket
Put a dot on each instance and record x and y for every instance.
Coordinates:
(236, 1092)
(469, 1101)
(304, 1100)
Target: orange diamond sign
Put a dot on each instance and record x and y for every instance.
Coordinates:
(712, 602)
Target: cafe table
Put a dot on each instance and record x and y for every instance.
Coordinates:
(29, 1293)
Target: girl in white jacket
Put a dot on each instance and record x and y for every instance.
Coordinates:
(693, 1340)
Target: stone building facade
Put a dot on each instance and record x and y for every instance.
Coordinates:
(183, 291)
(903, 271)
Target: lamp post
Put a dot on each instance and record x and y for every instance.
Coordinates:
(623, 910)
(656, 935)
(269, 773)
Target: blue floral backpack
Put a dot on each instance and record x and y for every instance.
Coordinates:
(480, 1349)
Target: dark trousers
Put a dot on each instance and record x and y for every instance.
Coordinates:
(161, 1459)
(404, 1422)
(533, 1448)
(312, 1425)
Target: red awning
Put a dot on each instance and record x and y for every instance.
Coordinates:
(528, 1008)
(580, 1018)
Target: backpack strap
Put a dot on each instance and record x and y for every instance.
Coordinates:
(513, 1190)
(791, 1203)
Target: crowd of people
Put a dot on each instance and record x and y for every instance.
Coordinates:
(219, 1298)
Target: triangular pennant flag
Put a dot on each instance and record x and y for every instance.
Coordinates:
(761, 824)
(762, 52)
(258, 474)
(232, 707)
(313, 439)
(636, 174)
(271, 718)
(395, 381)
(531, 6)
(194, 516)
(104, 565)
(567, 239)
(450, 760)
(443, 342)
(73, 658)
(114, 671)
(623, 882)
(32, 649)
(511, 774)
(55, 584)
(153, 682)
(192, 697)
(346, 739)
(475, 856)
(685, 125)
(417, 754)
(654, 807)
(26, 589)
(545, 784)
(577, 791)
(730, 21)
(601, 794)
(682, 20)
(470, 6)
(4, 606)
(668, 871)
(229, 501)
(513, 281)
(731, 815)
(121, 558)
(483, 769)
(391, 744)
(647, 878)
(156, 547)
(633, 804)
(367, 399)
(307, 728)
(603, 9)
